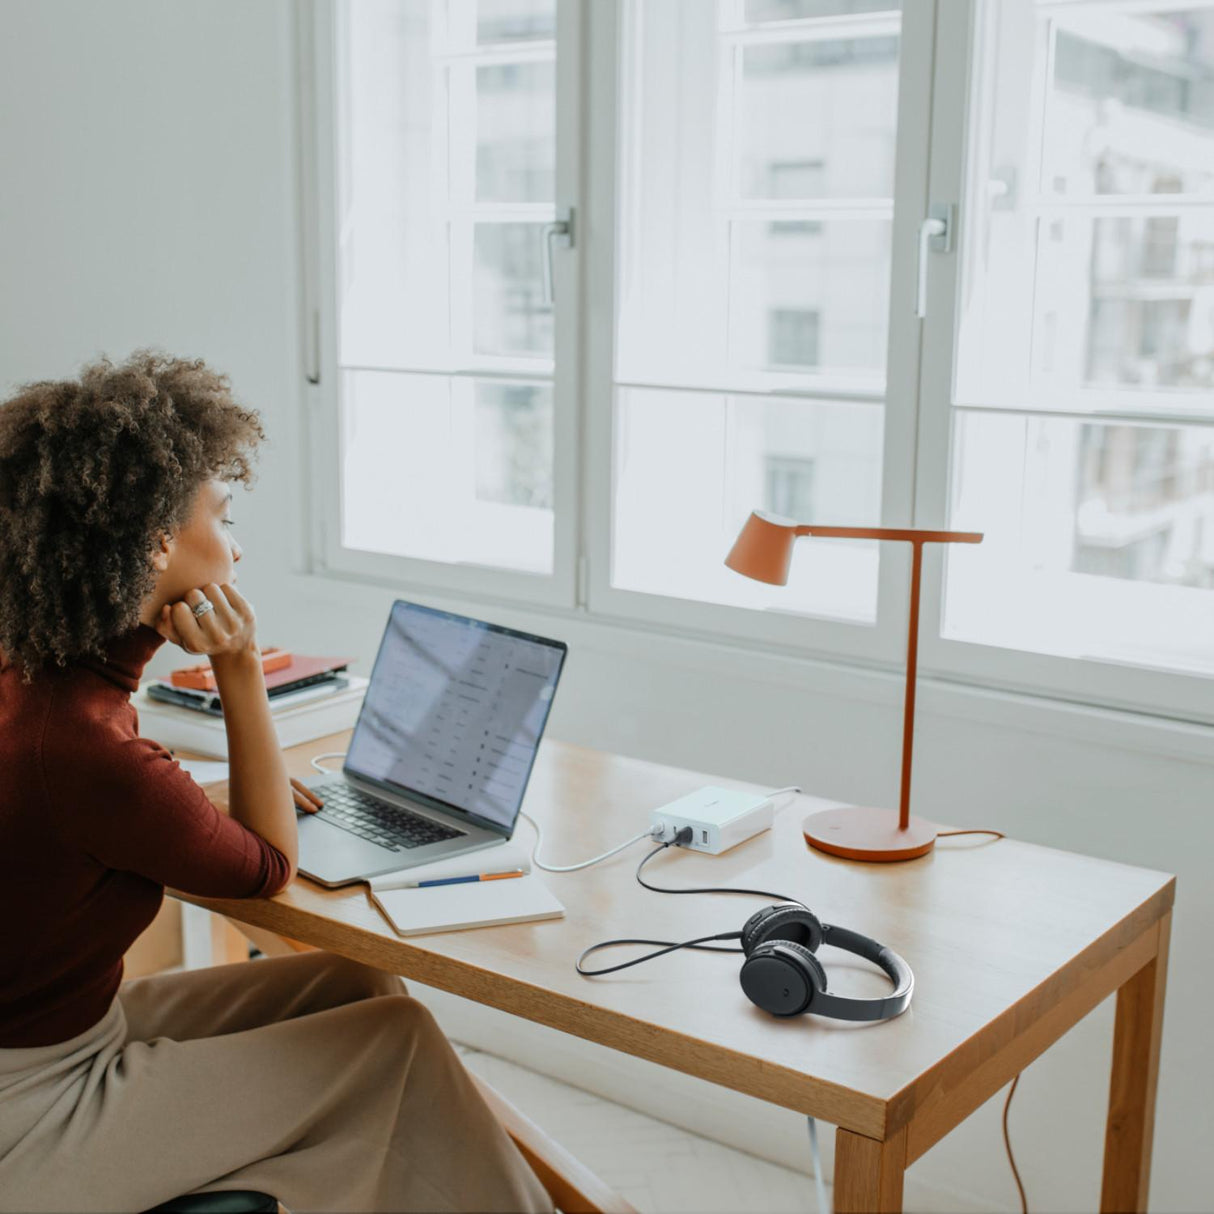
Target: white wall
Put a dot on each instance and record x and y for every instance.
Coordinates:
(148, 198)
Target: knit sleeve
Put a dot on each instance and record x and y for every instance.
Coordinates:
(130, 805)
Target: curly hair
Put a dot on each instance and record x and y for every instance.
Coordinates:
(92, 470)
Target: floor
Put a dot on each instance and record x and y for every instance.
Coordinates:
(656, 1166)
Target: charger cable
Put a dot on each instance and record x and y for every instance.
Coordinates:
(569, 868)
(819, 1182)
(329, 754)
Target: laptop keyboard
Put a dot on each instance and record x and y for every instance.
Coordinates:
(369, 818)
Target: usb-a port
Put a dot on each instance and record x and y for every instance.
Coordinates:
(703, 836)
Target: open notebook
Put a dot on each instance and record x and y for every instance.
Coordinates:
(448, 908)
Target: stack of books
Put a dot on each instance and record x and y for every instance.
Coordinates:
(309, 698)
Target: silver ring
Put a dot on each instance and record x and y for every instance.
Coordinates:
(202, 608)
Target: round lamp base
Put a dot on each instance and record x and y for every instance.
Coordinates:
(858, 833)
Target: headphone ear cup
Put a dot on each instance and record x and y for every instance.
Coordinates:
(752, 927)
(784, 921)
(782, 977)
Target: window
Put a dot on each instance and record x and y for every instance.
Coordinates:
(1084, 428)
(445, 149)
(724, 197)
(754, 246)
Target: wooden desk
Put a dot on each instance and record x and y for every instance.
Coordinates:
(1011, 945)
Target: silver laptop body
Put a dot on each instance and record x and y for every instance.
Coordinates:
(448, 697)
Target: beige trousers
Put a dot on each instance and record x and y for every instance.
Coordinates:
(310, 1077)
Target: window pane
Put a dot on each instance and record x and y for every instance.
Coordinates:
(514, 20)
(1088, 288)
(514, 444)
(1089, 257)
(813, 461)
(849, 86)
(810, 300)
(447, 469)
(394, 276)
(754, 256)
(423, 134)
(738, 191)
(515, 121)
(510, 316)
(445, 142)
(1099, 539)
(1127, 301)
(1130, 109)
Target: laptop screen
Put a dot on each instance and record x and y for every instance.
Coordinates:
(454, 712)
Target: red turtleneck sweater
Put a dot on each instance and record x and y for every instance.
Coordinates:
(94, 822)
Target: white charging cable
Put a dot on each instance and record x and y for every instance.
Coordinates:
(329, 754)
(819, 1182)
(569, 868)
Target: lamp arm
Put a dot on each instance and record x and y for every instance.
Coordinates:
(912, 535)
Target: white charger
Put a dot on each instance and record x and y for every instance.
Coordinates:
(719, 818)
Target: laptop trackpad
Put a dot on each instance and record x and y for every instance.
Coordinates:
(329, 853)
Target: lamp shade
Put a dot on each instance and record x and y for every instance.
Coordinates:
(763, 549)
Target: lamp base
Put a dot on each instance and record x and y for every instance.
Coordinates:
(859, 833)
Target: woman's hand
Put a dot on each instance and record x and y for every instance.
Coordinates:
(229, 629)
(305, 798)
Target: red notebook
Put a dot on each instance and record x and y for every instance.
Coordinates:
(299, 668)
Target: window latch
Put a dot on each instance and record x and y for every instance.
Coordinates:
(561, 229)
(936, 234)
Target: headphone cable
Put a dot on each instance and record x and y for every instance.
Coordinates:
(684, 836)
(669, 946)
(697, 943)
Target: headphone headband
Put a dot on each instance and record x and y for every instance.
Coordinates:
(842, 1007)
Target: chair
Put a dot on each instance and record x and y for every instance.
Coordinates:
(574, 1189)
(233, 1201)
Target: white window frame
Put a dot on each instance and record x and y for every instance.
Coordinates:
(1084, 680)
(317, 56)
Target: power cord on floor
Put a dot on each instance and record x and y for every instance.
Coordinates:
(1007, 1142)
(819, 1180)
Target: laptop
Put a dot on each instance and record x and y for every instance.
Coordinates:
(442, 750)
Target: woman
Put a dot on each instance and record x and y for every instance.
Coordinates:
(310, 1077)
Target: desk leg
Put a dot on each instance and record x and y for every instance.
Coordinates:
(1130, 1130)
(868, 1173)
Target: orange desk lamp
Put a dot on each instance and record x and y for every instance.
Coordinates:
(763, 551)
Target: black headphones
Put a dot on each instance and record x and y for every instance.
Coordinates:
(781, 973)
(783, 976)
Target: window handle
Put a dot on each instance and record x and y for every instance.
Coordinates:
(935, 233)
(561, 229)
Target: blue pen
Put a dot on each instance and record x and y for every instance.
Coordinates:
(464, 880)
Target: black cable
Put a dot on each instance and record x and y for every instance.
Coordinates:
(684, 836)
(706, 889)
(697, 943)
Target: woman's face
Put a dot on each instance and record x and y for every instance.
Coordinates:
(203, 550)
